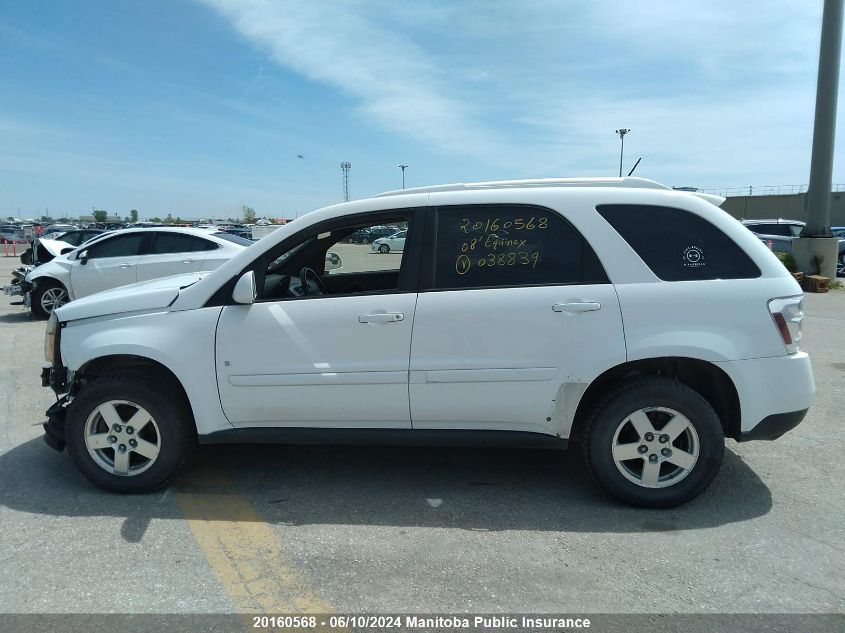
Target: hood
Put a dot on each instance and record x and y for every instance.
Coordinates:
(145, 295)
(55, 247)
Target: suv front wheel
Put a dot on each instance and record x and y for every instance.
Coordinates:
(128, 433)
(654, 443)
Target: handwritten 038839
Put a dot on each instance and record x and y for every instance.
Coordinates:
(492, 242)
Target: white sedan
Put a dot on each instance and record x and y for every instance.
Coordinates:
(126, 257)
(395, 242)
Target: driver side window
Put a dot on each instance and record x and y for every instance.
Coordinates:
(118, 246)
(353, 257)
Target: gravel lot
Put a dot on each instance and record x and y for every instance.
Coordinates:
(421, 530)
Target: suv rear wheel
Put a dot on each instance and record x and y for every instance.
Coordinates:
(128, 433)
(654, 443)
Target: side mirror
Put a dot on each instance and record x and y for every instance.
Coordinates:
(333, 261)
(245, 291)
(83, 257)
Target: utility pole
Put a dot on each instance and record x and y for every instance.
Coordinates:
(403, 168)
(824, 132)
(820, 244)
(621, 132)
(346, 166)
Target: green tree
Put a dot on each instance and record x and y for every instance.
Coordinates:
(100, 215)
(249, 215)
(10, 218)
(133, 215)
(156, 220)
(45, 218)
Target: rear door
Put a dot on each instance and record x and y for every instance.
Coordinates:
(515, 315)
(172, 253)
(111, 262)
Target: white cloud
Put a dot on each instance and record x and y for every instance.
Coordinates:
(395, 82)
(718, 91)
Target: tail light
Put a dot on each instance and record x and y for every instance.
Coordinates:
(788, 314)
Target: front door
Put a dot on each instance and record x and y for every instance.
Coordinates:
(110, 262)
(517, 314)
(321, 348)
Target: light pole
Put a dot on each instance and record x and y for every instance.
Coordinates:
(403, 168)
(621, 132)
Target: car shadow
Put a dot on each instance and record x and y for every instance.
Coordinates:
(463, 488)
(17, 317)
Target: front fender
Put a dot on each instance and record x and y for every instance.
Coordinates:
(160, 337)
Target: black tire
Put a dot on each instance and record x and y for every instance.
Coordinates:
(840, 267)
(175, 430)
(619, 405)
(383, 249)
(37, 298)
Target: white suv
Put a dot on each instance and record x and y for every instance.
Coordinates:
(644, 323)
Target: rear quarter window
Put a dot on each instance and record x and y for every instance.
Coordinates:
(678, 245)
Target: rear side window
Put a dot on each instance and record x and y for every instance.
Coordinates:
(678, 245)
(510, 245)
(167, 242)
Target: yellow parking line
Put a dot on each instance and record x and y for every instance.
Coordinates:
(243, 551)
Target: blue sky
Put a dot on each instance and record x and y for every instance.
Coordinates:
(196, 107)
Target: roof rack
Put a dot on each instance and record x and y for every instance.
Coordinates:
(630, 182)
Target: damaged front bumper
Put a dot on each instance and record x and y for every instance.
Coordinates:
(19, 286)
(54, 427)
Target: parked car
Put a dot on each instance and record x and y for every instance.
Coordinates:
(839, 231)
(53, 230)
(395, 242)
(77, 236)
(12, 234)
(124, 257)
(361, 236)
(644, 324)
(778, 234)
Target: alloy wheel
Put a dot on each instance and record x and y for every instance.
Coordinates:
(53, 298)
(655, 447)
(122, 438)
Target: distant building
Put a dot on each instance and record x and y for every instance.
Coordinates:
(786, 206)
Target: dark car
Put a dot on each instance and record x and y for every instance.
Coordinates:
(77, 236)
(778, 234)
(361, 236)
(12, 233)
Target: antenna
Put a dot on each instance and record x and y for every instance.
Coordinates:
(635, 165)
(346, 166)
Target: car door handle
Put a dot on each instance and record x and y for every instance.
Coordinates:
(127, 265)
(577, 306)
(383, 317)
(187, 261)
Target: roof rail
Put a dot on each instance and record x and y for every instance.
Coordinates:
(631, 182)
